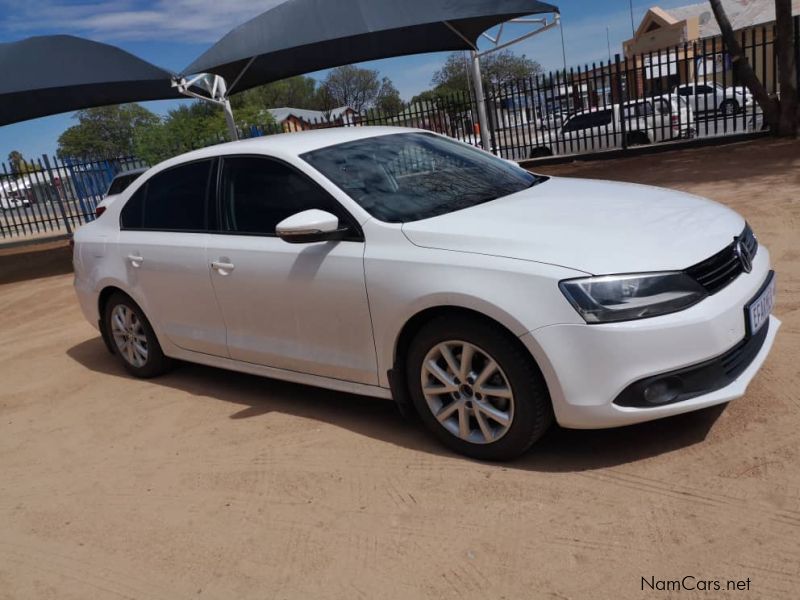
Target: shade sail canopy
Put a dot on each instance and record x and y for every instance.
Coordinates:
(45, 75)
(301, 36)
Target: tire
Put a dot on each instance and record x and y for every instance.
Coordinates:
(540, 152)
(513, 423)
(729, 107)
(123, 318)
(638, 138)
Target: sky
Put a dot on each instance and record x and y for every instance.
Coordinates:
(172, 33)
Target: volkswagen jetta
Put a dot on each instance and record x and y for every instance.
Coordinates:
(399, 263)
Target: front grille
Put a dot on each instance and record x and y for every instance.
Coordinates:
(718, 271)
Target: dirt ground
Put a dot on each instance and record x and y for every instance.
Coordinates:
(210, 484)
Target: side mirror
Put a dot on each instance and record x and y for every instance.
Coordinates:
(310, 226)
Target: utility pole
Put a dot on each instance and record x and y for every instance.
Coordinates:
(633, 29)
(608, 42)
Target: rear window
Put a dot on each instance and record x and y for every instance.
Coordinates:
(121, 183)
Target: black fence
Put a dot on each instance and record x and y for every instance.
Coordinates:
(687, 91)
(48, 195)
(684, 92)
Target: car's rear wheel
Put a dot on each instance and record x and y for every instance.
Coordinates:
(133, 338)
(476, 389)
(729, 107)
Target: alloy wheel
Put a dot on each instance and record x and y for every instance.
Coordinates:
(129, 335)
(467, 392)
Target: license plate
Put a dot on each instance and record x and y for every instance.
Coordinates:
(760, 307)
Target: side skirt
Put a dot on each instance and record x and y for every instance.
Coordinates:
(338, 385)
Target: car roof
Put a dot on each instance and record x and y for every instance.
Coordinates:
(290, 144)
(130, 172)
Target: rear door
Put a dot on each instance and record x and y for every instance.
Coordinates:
(162, 242)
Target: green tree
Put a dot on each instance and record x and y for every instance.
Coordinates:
(350, 86)
(497, 69)
(297, 92)
(20, 166)
(104, 131)
(191, 126)
(388, 101)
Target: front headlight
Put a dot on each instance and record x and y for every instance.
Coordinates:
(612, 298)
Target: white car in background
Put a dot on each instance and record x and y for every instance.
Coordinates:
(118, 184)
(399, 263)
(713, 97)
(646, 121)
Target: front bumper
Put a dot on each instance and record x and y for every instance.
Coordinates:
(587, 367)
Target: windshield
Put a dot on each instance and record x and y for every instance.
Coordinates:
(411, 176)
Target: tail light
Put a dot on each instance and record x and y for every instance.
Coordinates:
(675, 121)
(99, 211)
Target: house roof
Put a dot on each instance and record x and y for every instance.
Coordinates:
(307, 115)
(741, 13)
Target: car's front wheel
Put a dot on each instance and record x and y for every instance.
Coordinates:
(133, 338)
(477, 389)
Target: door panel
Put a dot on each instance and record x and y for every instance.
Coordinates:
(173, 280)
(301, 307)
(162, 246)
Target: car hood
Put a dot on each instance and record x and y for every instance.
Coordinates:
(588, 225)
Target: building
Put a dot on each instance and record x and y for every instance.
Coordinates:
(299, 119)
(684, 44)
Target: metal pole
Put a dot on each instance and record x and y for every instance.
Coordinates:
(226, 106)
(480, 101)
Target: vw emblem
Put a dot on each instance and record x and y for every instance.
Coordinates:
(743, 254)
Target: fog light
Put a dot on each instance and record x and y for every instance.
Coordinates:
(663, 391)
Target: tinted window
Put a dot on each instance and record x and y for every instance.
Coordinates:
(176, 198)
(410, 176)
(685, 91)
(133, 211)
(121, 183)
(259, 193)
(704, 89)
(599, 118)
(640, 109)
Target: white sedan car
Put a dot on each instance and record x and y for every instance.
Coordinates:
(398, 263)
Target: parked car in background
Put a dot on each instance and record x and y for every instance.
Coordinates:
(710, 97)
(399, 263)
(14, 194)
(646, 121)
(11, 202)
(118, 185)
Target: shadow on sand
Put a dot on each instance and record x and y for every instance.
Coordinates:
(561, 450)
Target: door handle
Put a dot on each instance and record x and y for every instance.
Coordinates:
(136, 261)
(222, 267)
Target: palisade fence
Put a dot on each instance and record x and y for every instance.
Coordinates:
(684, 92)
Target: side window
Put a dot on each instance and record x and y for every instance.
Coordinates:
(685, 91)
(704, 89)
(578, 122)
(176, 198)
(132, 213)
(601, 118)
(663, 106)
(258, 193)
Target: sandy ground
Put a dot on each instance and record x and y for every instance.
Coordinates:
(210, 484)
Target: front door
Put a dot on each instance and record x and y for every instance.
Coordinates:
(301, 307)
